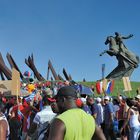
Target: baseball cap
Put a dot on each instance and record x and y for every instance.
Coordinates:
(138, 97)
(66, 91)
(120, 97)
(98, 99)
(83, 100)
(106, 98)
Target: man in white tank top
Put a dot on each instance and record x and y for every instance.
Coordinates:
(134, 123)
(132, 120)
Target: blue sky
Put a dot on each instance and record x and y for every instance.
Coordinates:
(71, 33)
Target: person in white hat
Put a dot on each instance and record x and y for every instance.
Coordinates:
(108, 119)
(99, 112)
(106, 98)
(138, 96)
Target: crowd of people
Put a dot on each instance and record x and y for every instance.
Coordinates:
(67, 115)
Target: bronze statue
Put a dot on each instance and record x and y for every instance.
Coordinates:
(127, 60)
(119, 39)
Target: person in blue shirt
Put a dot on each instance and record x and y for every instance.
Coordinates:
(99, 112)
(92, 105)
(85, 107)
(108, 119)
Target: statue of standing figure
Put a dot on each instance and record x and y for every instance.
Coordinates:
(127, 60)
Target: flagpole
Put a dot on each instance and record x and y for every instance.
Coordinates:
(103, 70)
(17, 92)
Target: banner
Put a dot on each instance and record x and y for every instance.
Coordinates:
(15, 82)
(5, 86)
(127, 84)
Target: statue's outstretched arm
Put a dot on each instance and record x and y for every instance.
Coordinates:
(127, 37)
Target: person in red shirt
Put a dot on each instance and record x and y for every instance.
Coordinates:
(122, 115)
(26, 111)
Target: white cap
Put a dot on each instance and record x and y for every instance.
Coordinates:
(120, 97)
(83, 100)
(24, 84)
(106, 98)
(138, 96)
(21, 97)
(98, 99)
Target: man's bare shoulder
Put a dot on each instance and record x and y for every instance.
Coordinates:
(57, 130)
(58, 123)
(3, 124)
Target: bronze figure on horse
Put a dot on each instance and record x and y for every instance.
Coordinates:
(127, 60)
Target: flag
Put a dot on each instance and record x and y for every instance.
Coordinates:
(99, 87)
(110, 86)
(28, 122)
(104, 85)
(31, 96)
(20, 114)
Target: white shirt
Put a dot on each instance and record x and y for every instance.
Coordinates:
(45, 115)
(43, 118)
(134, 120)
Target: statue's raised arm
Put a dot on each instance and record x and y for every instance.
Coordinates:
(127, 37)
(118, 35)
